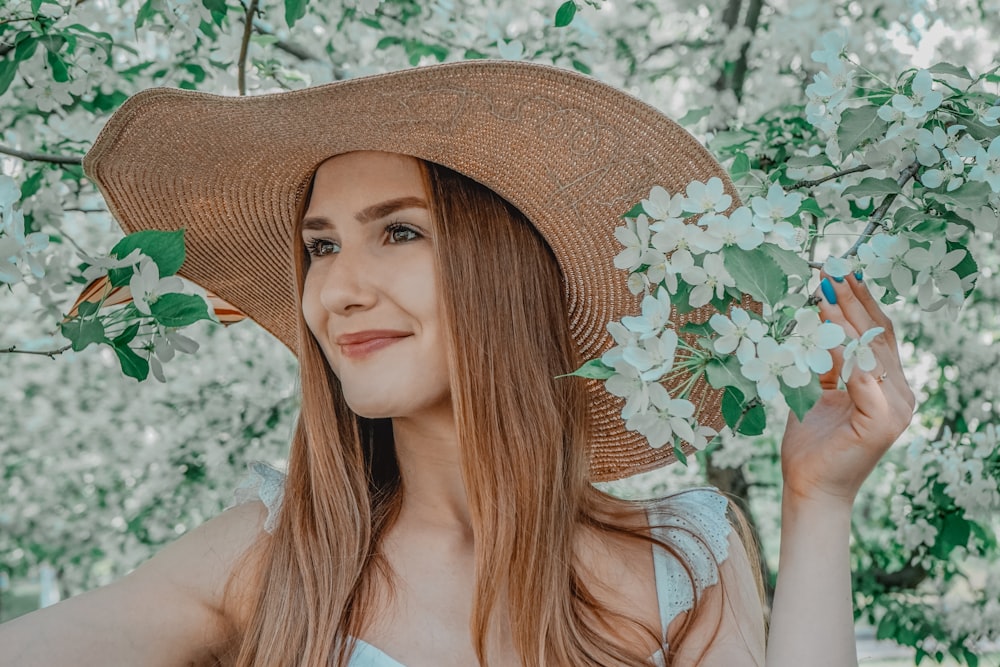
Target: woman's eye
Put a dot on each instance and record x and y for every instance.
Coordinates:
(401, 233)
(320, 247)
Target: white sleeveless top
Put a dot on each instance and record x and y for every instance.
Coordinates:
(700, 511)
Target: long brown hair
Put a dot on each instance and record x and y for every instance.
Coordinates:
(523, 437)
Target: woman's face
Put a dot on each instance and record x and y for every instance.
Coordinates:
(370, 295)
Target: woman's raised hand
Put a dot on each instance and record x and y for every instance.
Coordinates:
(826, 456)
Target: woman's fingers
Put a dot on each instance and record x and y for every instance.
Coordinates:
(850, 304)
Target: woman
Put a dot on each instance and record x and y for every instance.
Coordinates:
(438, 506)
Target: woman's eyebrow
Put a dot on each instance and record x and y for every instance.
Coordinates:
(374, 212)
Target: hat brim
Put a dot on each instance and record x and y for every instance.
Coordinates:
(573, 154)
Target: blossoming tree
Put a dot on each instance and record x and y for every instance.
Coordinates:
(862, 138)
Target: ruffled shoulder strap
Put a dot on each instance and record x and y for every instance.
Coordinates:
(693, 522)
(265, 484)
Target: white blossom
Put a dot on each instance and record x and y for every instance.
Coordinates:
(934, 266)
(922, 100)
(710, 279)
(738, 333)
(736, 229)
(707, 197)
(635, 237)
(17, 247)
(146, 285)
(987, 165)
(660, 205)
(884, 256)
(671, 417)
(775, 208)
(655, 315)
(859, 353)
(812, 341)
(773, 361)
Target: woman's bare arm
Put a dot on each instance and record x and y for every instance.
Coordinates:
(169, 611)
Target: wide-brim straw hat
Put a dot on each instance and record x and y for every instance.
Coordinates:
(572, 153)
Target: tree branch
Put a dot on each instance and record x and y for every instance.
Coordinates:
(879, 214)
(41, 157)
(740, 73)
(241, 77)
(51, 354)
(819, 181)
(289, 48)
(686, 43)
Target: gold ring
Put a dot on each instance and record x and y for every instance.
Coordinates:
(881, 378)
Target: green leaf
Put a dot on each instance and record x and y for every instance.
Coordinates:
(145, 13)
(732, 406)
(971, 195)
(82, 333)
(387, 41)
(694, 115)
(127, 336)
(858, 126)
(179, 310)
(595, 369)
(87, 308)
(789, 262)
(740, 167)
(25, 48)
(729, 139)
(801, 399)
(166, 249)
(697, 329)
(979, 131)
(132, 364)
(951, 70)
(580, 66)
(967, 266)
(565, 14)
(754, 421)
(755, 273)
(725, 372)
(809, 205)
(679, 453)
(8, 70)
(59, 71)
(798, 161)
(873, 187)
(682, 298)
(634, 212)
(294, 10)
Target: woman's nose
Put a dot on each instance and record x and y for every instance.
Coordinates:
(347, 284)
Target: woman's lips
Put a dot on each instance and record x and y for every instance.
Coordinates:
(362, 343)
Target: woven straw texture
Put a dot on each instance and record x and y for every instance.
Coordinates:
(570, 152)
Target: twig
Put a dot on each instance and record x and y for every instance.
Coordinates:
(41, 157)
(837, 174)
(685, 43)
(879, 214)
(51, 354)
(289, 48)
(247, 30)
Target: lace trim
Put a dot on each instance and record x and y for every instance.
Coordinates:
(695, 523)
(265, 484)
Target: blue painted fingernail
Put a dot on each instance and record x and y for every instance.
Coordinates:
(839, 279)
(858, 275)
(826, 321)
(828, 292)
